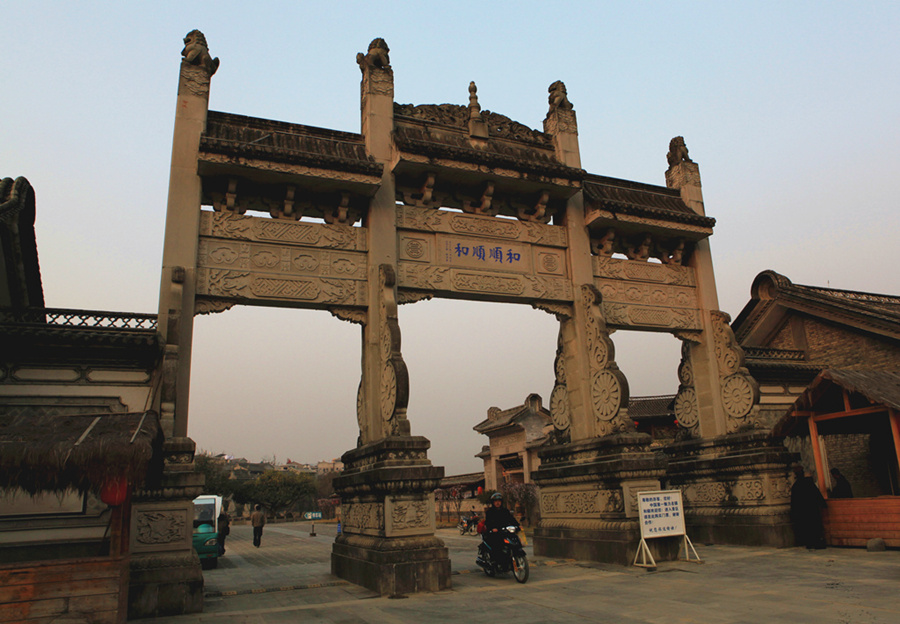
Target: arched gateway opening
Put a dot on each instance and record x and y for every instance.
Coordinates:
(528, 226)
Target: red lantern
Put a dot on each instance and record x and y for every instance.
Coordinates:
(480, 489)
(114, 491)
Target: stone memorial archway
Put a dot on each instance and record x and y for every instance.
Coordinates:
(526, 225)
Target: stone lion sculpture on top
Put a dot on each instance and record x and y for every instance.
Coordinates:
(559, 97)
(377, 56)
(196, 52)
(678, 152)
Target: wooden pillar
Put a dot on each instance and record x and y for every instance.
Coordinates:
(817, 454)
(894, 417)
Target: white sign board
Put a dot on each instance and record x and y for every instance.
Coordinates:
(661, 513)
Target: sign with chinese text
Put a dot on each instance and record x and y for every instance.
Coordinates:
(661, 513)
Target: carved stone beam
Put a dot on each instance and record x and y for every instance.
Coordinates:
(483, 206)
(341, 213)
(640, 251)
(424, 196)
(604, 246)
(539, 212)
(289, 208)
(229, 204)
(674, 255)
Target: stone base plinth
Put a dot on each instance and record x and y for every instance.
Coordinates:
(392, 566)
(616, 544)
(387, 542)
(165, 584)
(165, 576)
(589, 499)
(736, 489)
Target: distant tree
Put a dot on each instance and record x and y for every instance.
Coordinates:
(217, 481)
(281, 490)
(522, 496)
(325, 484)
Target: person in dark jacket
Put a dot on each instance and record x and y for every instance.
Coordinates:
(496, 517)
(224, 530)
(806, 511)
(841, 487)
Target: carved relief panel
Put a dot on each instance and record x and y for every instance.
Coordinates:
(480, 256)
(159, 527)
(409, 517)
(642, 295)
(251, 258)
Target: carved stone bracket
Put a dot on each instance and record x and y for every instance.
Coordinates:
(561, 311)
(687, 410)
(353, 315)
(609, 388)
(410, 296)
(211, 306)
(740, 392)
(560, 412)
(394, 377)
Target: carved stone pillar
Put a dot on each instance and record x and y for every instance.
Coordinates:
(165, 576)
(733, 475)
(387, 541)
(590, 478)
(176, 291)
(387, 488)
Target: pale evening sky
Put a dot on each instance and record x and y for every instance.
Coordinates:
(790, 109)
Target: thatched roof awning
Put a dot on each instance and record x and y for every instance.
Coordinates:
(56, 453)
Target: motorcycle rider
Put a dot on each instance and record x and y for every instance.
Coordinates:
(496, 517)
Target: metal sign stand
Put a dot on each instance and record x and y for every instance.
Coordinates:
(661, 515)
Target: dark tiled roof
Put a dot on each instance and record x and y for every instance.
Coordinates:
(641, 200)
(429, 141)
(278, 141)
(651, 406)
(878, 386)
(882, 387)
(867, 311)
(471, 478)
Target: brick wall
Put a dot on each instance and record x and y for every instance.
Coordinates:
(850, 453)
(837, 347)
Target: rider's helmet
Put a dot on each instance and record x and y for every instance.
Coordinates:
(496, 496)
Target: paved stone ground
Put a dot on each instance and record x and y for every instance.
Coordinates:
(288, 580)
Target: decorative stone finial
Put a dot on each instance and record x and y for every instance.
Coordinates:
(559, 98)
(477, 126)
(377, 55)
(678, 152)
(474, 106)
(196, 52)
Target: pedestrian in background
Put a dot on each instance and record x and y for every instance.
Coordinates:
(257, 521)
(224, 530)
(807, 503)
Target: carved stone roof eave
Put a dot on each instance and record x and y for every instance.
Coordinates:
(641, 200)
(456, 117)
(548, 172)
(275, 141)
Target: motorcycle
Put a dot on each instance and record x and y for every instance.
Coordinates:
(510, 555)
(465, 526)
